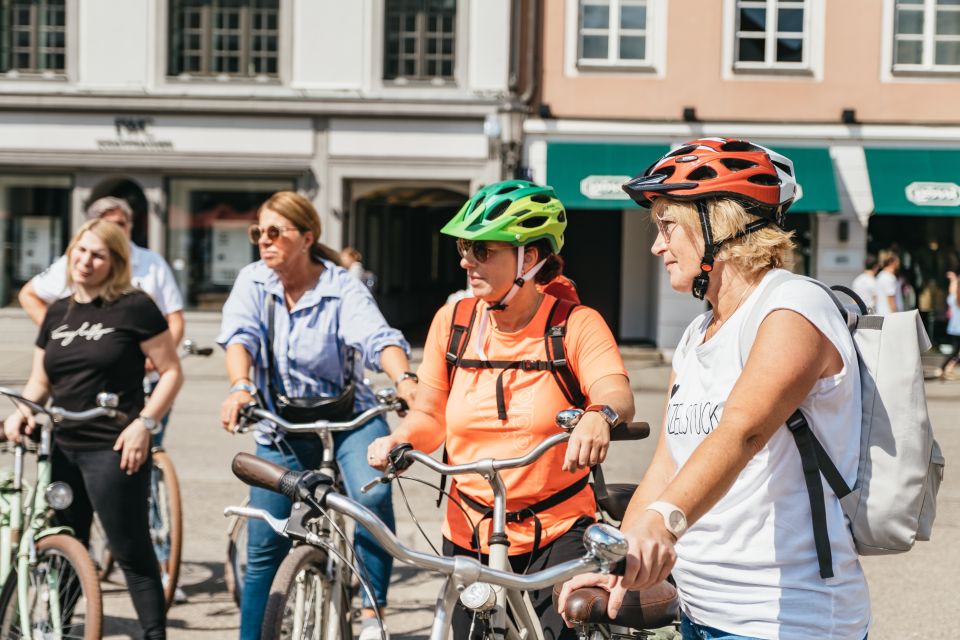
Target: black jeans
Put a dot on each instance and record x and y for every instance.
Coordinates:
(569, 546)
(122, 502)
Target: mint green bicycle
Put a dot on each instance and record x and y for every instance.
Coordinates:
(50, 585)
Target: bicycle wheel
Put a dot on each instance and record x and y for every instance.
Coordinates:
(63, 594)
(302, 601)
(235, 567)
(166, 522)
(100, 549)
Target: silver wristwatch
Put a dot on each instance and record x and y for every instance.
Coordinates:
(609, 413)
(152, 425)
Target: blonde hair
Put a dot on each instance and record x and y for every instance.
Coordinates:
(303, 215)
(769, 248)
(118, 281)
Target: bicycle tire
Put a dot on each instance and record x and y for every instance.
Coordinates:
(235, 566)
(311, 563)
(100, 549)
(170, 494)
(68, 556)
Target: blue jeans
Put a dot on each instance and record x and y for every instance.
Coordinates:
(266, 550)
(690, 630)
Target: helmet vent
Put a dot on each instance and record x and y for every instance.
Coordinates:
(542, 198)
(765, 179)
(682, 151)
(739, 145)
(507, 189)
(703, 173)
(785, 168)
(738, 164)
(562, 216)
(498, 210)
(533, 223)
(476, 205)
(666, 172)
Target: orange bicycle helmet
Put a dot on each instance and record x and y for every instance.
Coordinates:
(760, 178)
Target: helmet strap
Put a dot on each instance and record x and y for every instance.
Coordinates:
(521, 279)
(702, 281)
(710, 248)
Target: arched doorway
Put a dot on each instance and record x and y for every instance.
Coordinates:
(129, 190)
(397, 229)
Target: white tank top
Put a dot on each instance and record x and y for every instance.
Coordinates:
(749, 566)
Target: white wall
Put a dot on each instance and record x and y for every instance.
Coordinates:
(331, 44)
(488, 43)
(114, 42)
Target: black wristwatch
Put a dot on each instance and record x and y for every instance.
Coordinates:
(609, 413)
(406, 375)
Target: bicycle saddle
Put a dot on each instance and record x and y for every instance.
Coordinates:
(650, 608)
(614, 504)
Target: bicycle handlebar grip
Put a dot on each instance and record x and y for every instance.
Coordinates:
(258, 472)
(618, 568)
(398, 458)
(630, 431)
(205, 351)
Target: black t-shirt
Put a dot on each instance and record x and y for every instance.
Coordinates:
(93, 347)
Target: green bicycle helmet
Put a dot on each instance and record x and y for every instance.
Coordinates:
(514, 211)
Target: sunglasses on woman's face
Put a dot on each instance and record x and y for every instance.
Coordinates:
(272, 231)
(665, 226)
(479, 249)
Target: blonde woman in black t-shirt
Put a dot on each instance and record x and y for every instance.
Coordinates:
(98, 340)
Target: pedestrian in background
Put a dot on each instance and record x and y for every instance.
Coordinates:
(865, 284)
(351, 259)
(889, 294)
(953, 327)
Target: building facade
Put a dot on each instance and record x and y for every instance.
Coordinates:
(386, 113)
(861, 94)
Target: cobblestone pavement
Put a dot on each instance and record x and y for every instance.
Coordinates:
(912, 594)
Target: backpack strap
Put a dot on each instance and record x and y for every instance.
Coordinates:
(813, 457)
(464, 313)
(554, 339)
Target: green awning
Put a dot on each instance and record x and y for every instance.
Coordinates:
(814, 170)
(588, 175)
(914, 182)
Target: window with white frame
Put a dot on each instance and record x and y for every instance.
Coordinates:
(614, 32)
(33, 37)
(771, 34)
(927, 35)
(420, 41)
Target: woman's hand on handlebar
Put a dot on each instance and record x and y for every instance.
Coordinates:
(14, 423)
(588, 442)
(378, 452)
(230, 409)
(613, 584)
(134, 446)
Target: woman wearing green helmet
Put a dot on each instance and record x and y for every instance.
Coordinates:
(496, 370)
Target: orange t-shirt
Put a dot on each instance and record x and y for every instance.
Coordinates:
(533, 398)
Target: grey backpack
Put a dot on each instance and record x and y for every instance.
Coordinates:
(894, 500)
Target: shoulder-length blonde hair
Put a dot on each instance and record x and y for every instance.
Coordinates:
(303, 215)
(118, 281)
(769, 248)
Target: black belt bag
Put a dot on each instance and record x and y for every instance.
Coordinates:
(336, 408)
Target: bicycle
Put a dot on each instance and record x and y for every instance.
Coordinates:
(605, 547)
(311, 592)
(60, 597)
(166, 508)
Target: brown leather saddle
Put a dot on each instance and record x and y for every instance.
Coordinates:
(650, 608)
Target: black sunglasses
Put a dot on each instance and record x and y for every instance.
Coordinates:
(479, 249)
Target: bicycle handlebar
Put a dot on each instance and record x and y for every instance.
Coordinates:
(605, 545)
(253, 412)
(59, 414)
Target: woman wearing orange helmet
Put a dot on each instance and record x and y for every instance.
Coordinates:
(724, 505)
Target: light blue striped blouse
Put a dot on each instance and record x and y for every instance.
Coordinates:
(312, 340)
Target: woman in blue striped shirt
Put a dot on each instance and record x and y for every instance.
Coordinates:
(320, 316)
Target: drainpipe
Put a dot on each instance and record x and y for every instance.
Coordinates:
(533, 50)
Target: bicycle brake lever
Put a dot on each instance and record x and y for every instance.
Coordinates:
(279, 525)
(387, 478)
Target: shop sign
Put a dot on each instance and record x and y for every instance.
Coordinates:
(933, 194)
(134, 134)
(604, 187)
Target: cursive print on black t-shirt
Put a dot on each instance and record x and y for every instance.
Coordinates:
(93, 347)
